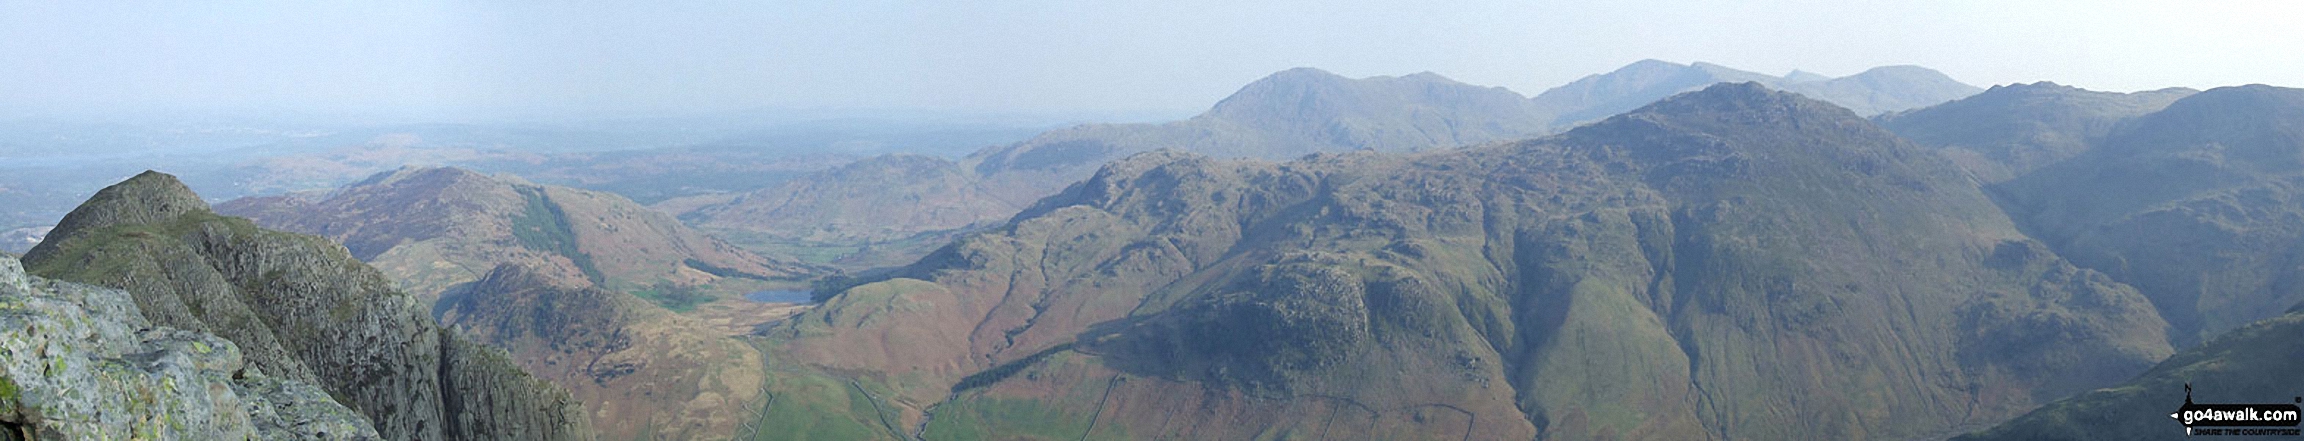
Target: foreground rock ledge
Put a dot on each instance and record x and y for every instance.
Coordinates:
(81, 362)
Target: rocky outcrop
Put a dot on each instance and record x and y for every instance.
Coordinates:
(301, 308)
(81, 362)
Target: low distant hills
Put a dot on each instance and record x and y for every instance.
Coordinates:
(1286, 115)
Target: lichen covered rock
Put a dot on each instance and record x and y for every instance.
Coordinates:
(81, 362)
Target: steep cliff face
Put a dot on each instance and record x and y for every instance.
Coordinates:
(1731, 263)
(300, 307)
(81, 362)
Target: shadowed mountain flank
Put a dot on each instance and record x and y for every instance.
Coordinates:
(2197, 205)
(1725, 263)
(2256, 363)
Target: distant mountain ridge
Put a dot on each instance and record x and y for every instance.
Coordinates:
(1872, 92)
(1726, 264)
(2009, 131)
(1293, 113)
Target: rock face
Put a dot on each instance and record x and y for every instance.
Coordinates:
(81, 362)
(1283, 116)
(2200, 206)
(2009, 131)
(431, 229)
(300, 308)
(1731, 263)
(2256, 363)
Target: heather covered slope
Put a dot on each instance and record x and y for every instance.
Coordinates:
(2009, 131)
(300, 308)
(1734, 263)
(430, 229)
(644, 372)
(2196, 205)
(2256, 363)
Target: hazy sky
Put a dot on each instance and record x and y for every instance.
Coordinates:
(462, 58)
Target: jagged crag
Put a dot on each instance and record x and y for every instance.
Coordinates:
(1730, 263)
(81, 362)
(300, 308)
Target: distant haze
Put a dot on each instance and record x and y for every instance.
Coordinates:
(452, 60)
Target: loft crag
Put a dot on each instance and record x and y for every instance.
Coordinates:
(300, 308)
